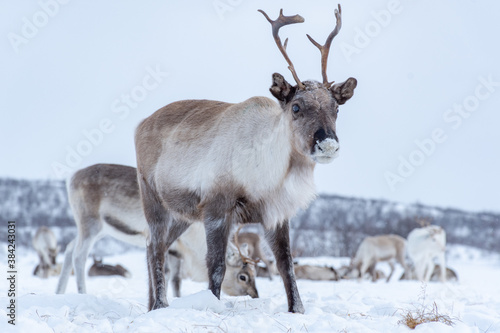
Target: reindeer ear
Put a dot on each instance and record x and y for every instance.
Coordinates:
(232, 255)
(342, 92)
(244, 249)
(282, 90)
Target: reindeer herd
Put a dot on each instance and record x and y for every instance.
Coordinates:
(245, 258)
(206, 167)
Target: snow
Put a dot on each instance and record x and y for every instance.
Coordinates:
(116, 304)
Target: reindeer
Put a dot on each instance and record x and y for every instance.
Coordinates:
(254, 251)
(451, 275)
(100, 269)
(375, 249)
(44, 273)
(318, 273)
(105, 201)
(45, 244)
(226, 164)
(191, 249)
(424, 245)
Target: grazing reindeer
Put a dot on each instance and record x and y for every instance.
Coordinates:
(319, 273)
(191, 248)
(100, 269)
(45, 244)
(375, 249)
(227, 164)
(451, 275)
(51, 271)
(105, 201)
(254, 250)
(424, 245)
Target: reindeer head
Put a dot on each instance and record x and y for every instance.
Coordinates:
(438, 236)
(97, 260)
(312, 106)
(240, 273)
(53, 255)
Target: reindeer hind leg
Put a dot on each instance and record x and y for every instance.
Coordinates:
(163, 230)
(66, 268)
(84, 242)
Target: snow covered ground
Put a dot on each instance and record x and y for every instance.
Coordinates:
(116, 304)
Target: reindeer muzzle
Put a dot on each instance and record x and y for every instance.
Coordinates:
(325, 151)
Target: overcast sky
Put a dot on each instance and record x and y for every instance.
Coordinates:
(78, 76)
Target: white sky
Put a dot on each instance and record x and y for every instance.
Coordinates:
(72, 74)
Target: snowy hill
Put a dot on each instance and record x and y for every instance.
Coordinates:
(332, 226)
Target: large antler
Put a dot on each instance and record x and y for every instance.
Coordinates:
(244, 258)
(276, 25)
(325, 49)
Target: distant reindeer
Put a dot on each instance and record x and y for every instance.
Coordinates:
(254, 251)
(226, 164)
(312, 272)
(51, 271)
(424, 245)
(375, 249)
(100, 269)
(105, 201)
(45, 244)
(451, 275)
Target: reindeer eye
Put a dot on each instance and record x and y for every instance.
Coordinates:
(243, 277)
(295, 108)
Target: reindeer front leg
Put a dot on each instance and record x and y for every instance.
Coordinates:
(217, 232)
(279, 239)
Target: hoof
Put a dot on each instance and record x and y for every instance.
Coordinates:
(299, 308)
(159, 305)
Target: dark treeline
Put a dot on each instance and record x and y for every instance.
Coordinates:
(332, 225)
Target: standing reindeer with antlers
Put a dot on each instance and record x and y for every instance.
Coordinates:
(223, 164)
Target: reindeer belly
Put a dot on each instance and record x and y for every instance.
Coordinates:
(124, 220)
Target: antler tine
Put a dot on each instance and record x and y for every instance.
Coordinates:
(244, 258)
(325, 49)
(283, 20)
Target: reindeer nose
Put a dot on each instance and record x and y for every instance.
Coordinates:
(320, 135)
